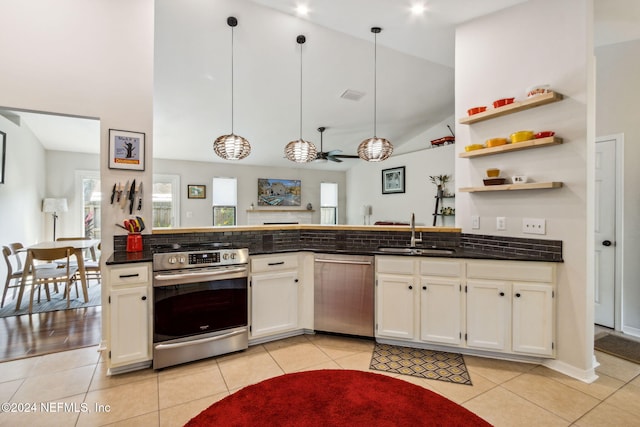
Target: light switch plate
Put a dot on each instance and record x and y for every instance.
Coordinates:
(475, 222)
(534, 226)
(501, 223)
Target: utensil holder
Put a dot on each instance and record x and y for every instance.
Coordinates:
(134, 242)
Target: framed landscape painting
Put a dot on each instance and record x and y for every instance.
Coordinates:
(279, 192)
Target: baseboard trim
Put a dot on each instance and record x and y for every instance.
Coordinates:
(585, 375)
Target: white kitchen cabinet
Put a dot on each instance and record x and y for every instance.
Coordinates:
(130, 316)
(488, 315)
(511, 307)
(275, 295)
(533, 323)
(441, 310)
(395, 306)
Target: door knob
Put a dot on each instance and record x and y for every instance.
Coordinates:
(606, 243)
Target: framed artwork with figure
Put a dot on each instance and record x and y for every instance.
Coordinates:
(126, 150)
(393, 180)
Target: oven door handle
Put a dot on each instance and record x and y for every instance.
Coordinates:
(199, 274)
(201, 341)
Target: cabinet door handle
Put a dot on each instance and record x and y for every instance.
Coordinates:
(126, 276)
(501, 294)
(424, 288)
(144, 298)
(276, 263)
(410, 287)
(295, 280)
(518, 295)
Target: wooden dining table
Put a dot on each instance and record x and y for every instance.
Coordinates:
(79, 246)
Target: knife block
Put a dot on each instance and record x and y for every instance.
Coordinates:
(134, 242)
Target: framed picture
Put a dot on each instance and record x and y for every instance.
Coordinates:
(393, 180)
(197, 191)
(279, 192)
(126, 150)
(3, 151)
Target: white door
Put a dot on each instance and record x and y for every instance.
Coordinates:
(274, 303)
(395, 306)
(605, 229)
(488, 314)
(440, 310)
(533, 322)
(130, 331)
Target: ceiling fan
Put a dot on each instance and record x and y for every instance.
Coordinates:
(333, 155)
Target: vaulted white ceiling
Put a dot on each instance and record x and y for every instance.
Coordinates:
(192, 94)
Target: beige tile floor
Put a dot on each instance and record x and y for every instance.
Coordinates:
(503, 393)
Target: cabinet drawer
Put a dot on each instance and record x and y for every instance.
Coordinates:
(129, 275)
(274, 263)
(391, 264)
(446, 268)
(511, 270)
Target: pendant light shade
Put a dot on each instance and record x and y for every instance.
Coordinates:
(232, 146)
(300, 151)
(375, 149)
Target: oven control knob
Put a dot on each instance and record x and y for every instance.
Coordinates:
(172, 260)
(225, 256)
(233, 256)
(182, 260)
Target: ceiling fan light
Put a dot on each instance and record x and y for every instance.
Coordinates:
(231, 147)
(300, 151)
(375, 149)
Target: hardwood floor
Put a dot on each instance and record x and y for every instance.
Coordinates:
(41, 333)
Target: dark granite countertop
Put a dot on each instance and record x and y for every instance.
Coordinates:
(120, 257)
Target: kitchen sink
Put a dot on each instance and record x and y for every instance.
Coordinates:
(416, 251)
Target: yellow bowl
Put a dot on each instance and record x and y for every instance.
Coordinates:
(473, 147)
(493, 173)
(523, 135)
(494, 142)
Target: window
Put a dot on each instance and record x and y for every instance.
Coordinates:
(328, 203)
(90, 184)
(225, 199)
(166, 201)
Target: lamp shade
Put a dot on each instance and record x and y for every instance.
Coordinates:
(375, 149)
(54, 205)
(300, 151)
(231, 147)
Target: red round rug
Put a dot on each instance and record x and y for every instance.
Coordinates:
(335, 397)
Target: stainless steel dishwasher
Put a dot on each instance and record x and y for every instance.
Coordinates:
(343, 295)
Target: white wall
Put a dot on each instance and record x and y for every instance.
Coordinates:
(364, 187)
(21, 219)
(538, 42)
(617, 93)
(91, 59)
(204, 172)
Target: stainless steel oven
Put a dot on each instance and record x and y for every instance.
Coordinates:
(199, 304)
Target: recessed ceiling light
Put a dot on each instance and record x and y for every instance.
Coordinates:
(302, 9)
(418, 8)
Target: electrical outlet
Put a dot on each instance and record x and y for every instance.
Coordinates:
(534, 226)
(475, 222)
(501, 223)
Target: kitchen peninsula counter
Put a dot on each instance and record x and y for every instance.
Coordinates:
(346, 239)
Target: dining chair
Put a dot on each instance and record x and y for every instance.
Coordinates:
(14, 269)
(65, 275)
(91, 263)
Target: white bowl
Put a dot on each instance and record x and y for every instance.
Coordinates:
(519, 179)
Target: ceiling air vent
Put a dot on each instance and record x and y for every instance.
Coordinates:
(352, 95)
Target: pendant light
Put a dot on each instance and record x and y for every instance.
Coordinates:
(232, 146)
(375, 149)
(300, 151)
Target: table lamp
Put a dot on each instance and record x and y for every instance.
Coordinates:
(53, 206)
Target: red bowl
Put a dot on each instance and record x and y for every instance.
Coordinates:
(476, 110)
(502, 102)
(544, 134)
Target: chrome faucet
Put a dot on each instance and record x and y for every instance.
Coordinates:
(413, 232)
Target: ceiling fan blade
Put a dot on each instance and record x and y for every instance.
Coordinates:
(334, 152)
(346, 156)
(334, 159)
